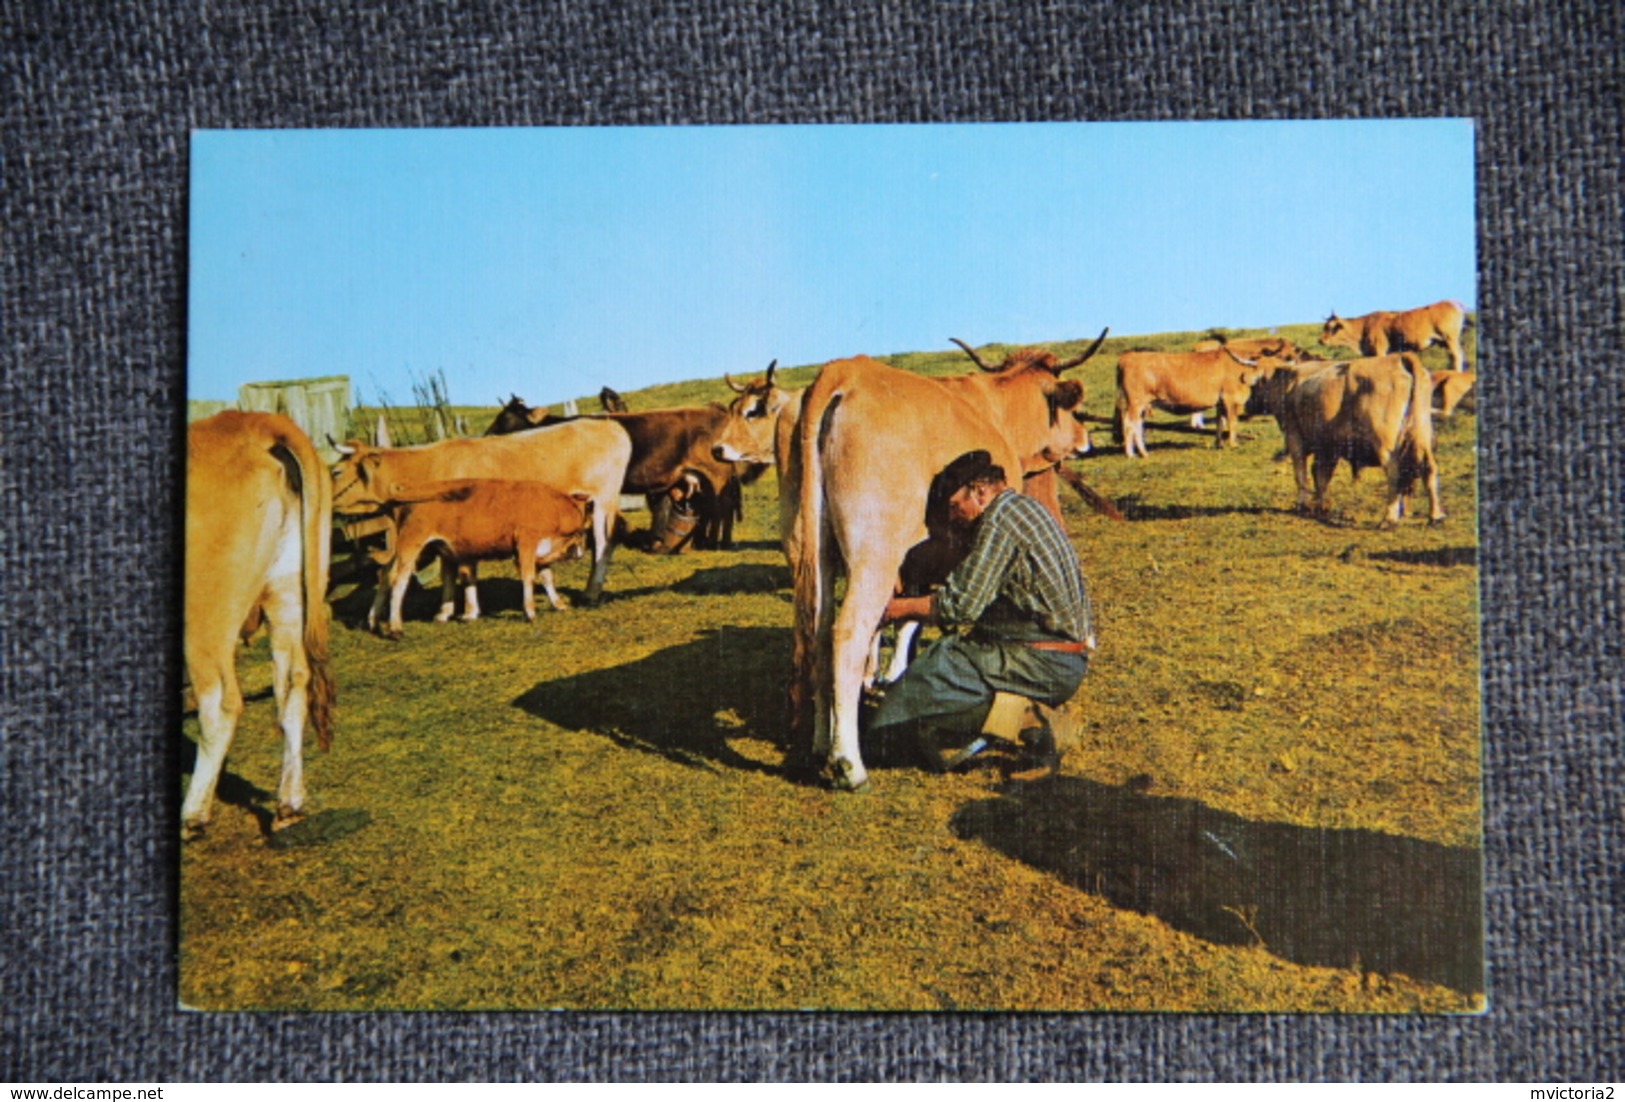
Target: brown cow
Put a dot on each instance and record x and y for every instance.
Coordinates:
(1248, 348)
(258, 515)
(478, 520)
(868, 443)
(1450, 388)
(1374, 412)
(667, 444)
(1385, 331)
(588, 454)
(1187, 382)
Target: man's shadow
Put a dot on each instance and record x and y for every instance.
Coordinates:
(683, 703)
(1333, 898)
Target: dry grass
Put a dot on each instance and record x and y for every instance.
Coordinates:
(1274, 806)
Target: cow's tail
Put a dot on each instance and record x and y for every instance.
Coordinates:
(315, 526)
(1416, 447)
(1092, 497)
(1117, 409)
(807, 571)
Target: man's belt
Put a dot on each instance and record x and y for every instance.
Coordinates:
(1065, 646)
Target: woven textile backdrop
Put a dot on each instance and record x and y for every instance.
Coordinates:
(99, 100)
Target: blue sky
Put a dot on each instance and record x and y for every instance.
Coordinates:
(551, 262)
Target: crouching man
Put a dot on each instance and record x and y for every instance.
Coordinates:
(1020, 593)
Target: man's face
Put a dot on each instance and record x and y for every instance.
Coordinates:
(967, 504)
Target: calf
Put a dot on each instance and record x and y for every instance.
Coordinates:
(477, 520)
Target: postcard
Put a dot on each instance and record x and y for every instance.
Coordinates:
(992, 567)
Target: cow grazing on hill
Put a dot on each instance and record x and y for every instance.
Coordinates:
(1373, 412)
(258, 516)
(869, 441)
(1385, 331)
(1450, 388)
(1187, 382)
(478, 520)
(587, 454)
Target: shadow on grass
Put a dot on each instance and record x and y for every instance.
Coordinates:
(683, 703)
(1135, 507)
(1439, 556)
(1333, 898)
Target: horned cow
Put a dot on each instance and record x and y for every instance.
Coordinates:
(258, 515)
(1186, 382)
(869, 440)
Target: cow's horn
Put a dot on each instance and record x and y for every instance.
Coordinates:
(1093, 348)
(733, 386)
(971, 352)
(342, 449)
(771, 368)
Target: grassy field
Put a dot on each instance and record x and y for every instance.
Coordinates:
(1275, 804)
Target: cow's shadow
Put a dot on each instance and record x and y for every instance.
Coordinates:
(1334, 898)
(231, 789)
(683, 703)
(1440, 556)
(1135, 507)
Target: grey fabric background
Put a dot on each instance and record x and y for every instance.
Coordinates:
(99, 99)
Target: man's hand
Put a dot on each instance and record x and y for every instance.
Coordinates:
(908, 608)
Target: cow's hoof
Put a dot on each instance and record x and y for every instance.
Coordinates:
(1436, 521)
(845, 777)
(192, 831)
(286, 817)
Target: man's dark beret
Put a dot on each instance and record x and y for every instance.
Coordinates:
(968, 468)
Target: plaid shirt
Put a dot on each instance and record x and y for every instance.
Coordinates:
(1021, 580)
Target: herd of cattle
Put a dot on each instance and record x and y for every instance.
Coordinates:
(855, 453)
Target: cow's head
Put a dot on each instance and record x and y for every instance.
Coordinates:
(1064, 433)
(516, 416)
(1274, 376)
(1337, 332)
(747, 435)
(357, 483)
(1069, 430)
(1023, 359)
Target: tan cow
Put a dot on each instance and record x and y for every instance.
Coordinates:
(869, 440)
(258, 515)
(478, 520)
(1374, 412)
(1187, 382)
(589, 455)
(1385, 331)
(1450, 388)
(1247, 348)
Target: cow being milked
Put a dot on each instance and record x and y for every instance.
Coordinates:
(869, 441)
(258, 518)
